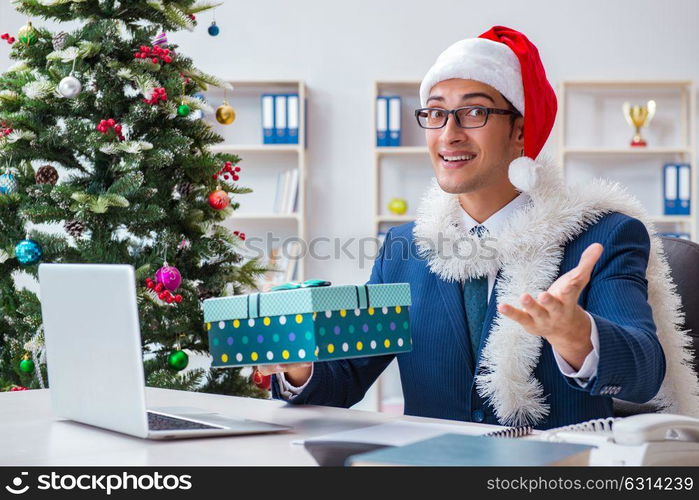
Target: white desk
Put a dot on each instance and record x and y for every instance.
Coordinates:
(31, 435)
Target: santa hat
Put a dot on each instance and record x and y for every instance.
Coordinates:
(506, 60)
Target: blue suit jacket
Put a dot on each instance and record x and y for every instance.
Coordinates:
(438, 374)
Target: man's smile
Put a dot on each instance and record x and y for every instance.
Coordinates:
(456, 159)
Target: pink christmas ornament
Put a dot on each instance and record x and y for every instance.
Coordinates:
(169, 276)
(161, 39)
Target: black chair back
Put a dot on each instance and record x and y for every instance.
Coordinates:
(683, 257)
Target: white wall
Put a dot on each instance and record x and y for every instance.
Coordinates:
(339, 49)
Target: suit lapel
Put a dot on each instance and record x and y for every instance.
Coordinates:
(489, 316)
(453, 298)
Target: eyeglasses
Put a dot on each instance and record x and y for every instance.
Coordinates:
(466, 117)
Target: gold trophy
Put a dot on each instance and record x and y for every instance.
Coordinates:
(639, 116)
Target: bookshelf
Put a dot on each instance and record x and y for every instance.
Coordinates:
(399, 171)
(596, 143)
(261, 164)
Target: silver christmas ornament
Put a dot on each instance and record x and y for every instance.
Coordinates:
(69, 87)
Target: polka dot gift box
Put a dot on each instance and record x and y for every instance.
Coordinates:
(315, 323)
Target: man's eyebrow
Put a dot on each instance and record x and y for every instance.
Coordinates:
(463, 97)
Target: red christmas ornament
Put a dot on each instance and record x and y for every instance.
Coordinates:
(105, 125)
(156, 54)
(262, 381)
(18, 388)
(178, 298)
(227, 172)
(4, 129)
(239, 235)
(159, 287)
(9, 39)
(218, 200)
(159, 94)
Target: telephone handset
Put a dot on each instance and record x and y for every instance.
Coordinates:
(645, 439)
(653, 427)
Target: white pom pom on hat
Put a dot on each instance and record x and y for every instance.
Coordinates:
(524, 173)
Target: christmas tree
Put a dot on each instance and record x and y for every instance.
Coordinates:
(104, 158)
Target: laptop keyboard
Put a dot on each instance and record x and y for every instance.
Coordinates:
(157, 422)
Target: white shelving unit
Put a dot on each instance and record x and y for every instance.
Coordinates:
(412, 153)
(671, 136)
(244, 138)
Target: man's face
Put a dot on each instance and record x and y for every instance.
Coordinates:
(495, 145)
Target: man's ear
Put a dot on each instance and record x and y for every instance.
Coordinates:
(518, 133)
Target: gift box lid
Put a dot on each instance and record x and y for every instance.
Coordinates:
(306, 300)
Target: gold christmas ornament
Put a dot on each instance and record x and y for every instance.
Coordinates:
(27, 34)
(225, 114)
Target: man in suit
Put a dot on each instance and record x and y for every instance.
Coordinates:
(530, 300)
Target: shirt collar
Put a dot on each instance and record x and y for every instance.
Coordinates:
(496, 221)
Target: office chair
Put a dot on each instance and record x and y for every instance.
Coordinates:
(683, 257)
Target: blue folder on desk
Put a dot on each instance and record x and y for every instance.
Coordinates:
(463, 450)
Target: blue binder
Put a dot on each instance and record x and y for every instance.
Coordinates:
(292, 118)
(394, 117)
(684, 189)
(671, 189)
(268, 135)
(280, 124)
(462, 450)
(381, 122)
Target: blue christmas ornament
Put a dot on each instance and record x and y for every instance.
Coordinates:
(8, 184)
(213, 29)
(28, 252)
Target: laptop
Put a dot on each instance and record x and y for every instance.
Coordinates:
(95, 361)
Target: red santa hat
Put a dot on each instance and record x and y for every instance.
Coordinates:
(506, 60)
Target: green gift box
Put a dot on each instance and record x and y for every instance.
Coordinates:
(309, 324)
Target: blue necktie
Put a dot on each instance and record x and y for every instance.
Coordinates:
(476, 303)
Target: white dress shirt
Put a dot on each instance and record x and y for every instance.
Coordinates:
(494, 224)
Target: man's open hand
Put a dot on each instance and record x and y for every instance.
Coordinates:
(555, 314)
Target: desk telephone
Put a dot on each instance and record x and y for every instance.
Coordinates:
(646, 439)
